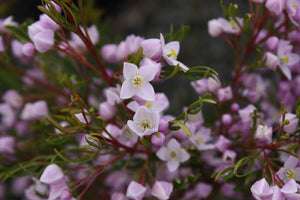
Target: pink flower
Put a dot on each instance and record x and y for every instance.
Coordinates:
(215, 28)
(263, 134)
(174, 154)
(28, 49)
(109, 53)
(137, 82)
(33, 111)
(144, 122)
(292, 122)
(170, 53)
(290, 170)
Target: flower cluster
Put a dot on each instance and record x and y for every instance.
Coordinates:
(83, 118)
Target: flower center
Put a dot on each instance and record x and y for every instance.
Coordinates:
(294, 5)
(233, 24)
(290, 174)
(285, 60)
(172, 54)
(145, 124)
(199, 139)
(149, 104)
(173, 154)
(137, 81)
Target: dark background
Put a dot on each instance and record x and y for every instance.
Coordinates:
(148, 18)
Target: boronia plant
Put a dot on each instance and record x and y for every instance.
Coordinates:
(81, 118)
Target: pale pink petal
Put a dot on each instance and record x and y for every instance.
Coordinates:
(172, 46)
(174, 144)
(129, 70)
(293, 59)
(289, 187)
(148, 72)
(184, 156)
(172, 165)
(146, 92)
(127, 90)
(52, 174)
(132, 126)
(291, 162)
(133, 105)
(142, 113)
(162, 153)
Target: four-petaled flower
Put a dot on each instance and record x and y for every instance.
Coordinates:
(144, 122)
(173, 154)
(137, 82)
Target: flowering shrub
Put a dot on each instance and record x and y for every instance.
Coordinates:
(80, 119)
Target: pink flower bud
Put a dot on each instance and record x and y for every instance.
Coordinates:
(52, 174)
(200, 86)
(158, 139)
(43, 41)
(35, 28)
(135, 191)
(215, 28)
(163, 125)
(57, 7)
(16, 48)
(48, 23)
(263, 134)
(226, 119)
(109, 53)
(28, 49)
(275, 6)
(235, 107)
(228, 156)
(162, 190)
(152, 48)
(272, 43)
(292, 122)
(106, 110)
(213, 84)
(122, 51)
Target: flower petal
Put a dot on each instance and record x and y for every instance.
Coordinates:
(148, 72)
(127, 90)
(146, 92)
(129, 70)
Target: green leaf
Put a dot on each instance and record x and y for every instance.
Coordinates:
(216, 175)
(18, 33)
(199, 72)
(243, 162)
(180, 125)
(169, 71)
(138, 56)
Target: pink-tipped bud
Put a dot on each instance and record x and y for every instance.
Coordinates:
(109, 53)
(158, 139)
(52, 174)
(57, 7)
(152, 48)
(135, 191)
(28, 49)
(43, 41)
(106, 110)
(162, 190)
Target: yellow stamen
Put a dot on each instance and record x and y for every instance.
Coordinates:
(145, 124)
(173, 154)
(137, 81)
(291, 174)
(199, 139)
(149, 104)
(172, 54)
(233, 24)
